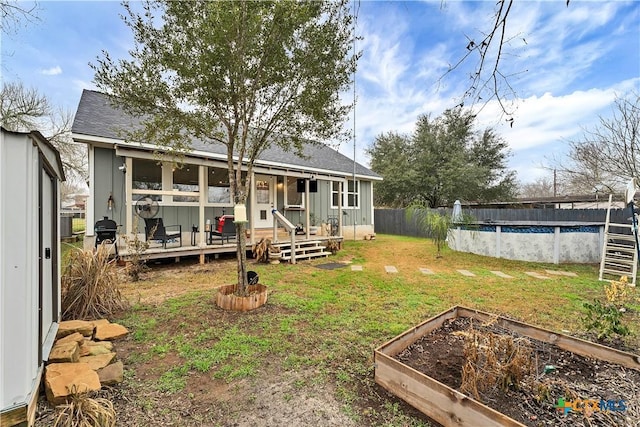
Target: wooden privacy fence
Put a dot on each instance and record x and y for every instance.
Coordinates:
(394, 221)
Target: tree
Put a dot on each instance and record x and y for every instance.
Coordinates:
(542, 187)
(23, 110)
(242, 74)
(445, 159)
(390, 155)
(606, 157)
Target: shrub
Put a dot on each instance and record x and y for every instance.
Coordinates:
(90, 285)
(605, 319)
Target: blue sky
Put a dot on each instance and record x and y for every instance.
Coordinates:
(567, 64)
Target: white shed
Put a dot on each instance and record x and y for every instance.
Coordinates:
(30, 176)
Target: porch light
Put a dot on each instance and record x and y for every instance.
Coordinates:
(240, 213)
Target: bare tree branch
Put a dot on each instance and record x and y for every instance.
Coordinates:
(24, 110)
(16, 12)
(607, 156)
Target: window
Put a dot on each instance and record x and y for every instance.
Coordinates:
(218, 191)
(185, 179)
(147, 175)
(292, 198)
(350, 197)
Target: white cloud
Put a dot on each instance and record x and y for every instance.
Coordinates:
(53, 71)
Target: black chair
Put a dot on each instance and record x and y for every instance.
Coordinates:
(228, 230)
(105, 232)
(154, 229)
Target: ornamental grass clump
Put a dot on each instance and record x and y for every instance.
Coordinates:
(90, 285)
(84, 411)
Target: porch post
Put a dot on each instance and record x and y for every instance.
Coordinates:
(252, 208)
(203, 185)
(307, 206)
(128, 189)
(89, 216)
(340, 191)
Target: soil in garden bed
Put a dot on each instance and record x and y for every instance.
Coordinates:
(556, 374)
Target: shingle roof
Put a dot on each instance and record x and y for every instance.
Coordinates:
(97, 116)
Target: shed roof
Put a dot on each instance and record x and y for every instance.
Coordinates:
(97, 116)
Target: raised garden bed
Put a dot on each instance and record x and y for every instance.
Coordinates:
(423, 366)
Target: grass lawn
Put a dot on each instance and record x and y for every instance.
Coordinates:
(306, 357)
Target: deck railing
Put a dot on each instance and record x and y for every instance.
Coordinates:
(291, 229)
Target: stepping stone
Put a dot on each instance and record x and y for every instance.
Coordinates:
(466, 273)
(536, 275)
(390, 269)
(426, 271)
(501, 274)
(356, 268)
(562, 273)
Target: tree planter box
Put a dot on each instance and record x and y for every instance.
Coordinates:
(227, 300)
(450, 407)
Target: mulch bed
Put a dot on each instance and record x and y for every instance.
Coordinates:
(439, 355)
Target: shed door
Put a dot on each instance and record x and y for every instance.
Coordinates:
(48, 292)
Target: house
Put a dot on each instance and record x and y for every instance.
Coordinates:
(323, 185)
(30, 175)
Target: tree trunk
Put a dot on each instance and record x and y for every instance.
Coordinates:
(241, 255)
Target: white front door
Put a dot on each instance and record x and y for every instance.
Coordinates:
(264, 201)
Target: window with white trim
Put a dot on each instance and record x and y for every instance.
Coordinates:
(350, 197)
(293, 199)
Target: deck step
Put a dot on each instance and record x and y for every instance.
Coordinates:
(306, 249)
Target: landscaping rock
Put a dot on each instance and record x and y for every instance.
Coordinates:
(106, 344)
(95, 350)
(76, 337)
(68, 327)
(110, 331)
(112, 374)
(99, 361)
(66, 352)
(61, 379)
(100, 322)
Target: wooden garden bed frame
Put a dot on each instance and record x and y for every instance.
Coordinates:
(449, 407)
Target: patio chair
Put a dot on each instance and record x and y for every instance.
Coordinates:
(154, 229)
(228, 230)
(105, 232)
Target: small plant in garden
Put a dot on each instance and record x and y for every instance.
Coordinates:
(84, 411)
(435, 224)
(493, 360)
(617, 292)
(136, 248)
(604, 319)
(90, 285)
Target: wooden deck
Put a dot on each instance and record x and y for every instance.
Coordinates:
(156, 251)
